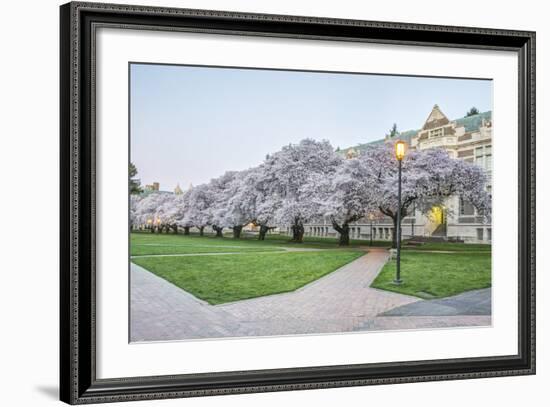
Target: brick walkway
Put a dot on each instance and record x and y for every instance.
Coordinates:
(339, 302)
(472, 308)
(424, 322)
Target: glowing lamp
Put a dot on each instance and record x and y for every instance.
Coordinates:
(400, 147)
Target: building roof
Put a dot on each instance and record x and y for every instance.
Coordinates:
(470, 123)
(436, 119)
(406, 135)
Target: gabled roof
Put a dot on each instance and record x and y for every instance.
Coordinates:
(436, 119)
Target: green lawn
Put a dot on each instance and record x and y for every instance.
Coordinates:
(152, 243)
(328, 241)
(223, 278)
(147, 244)
(437, 275)
(447, 246)
(199, 243)
(226, 278)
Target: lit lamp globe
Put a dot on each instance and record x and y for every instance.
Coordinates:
(400, 149)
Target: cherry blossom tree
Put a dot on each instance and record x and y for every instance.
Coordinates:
(160, 211)
(134, 206)
(185, 221)
(256, 200)
(290, 173)
(220, 215)
(171, 212)
(344, 198)
(197, 203)
(241, 199)
(429, 177)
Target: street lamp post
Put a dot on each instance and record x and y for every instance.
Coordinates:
(399, 155)
(414, 218)
(371, 217)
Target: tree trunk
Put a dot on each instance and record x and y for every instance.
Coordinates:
(298, 232)
(201, 231)
(186, 230)
(343, 231)
(152, 229)
(263, 232)
(218, 230)
(175, 227)
(237, 232)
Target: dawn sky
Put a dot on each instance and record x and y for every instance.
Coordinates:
(190, 124)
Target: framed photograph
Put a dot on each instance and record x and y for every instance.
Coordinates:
(254, 203)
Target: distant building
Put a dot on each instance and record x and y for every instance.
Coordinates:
(467, 138)
(351, 153)
(155, 186)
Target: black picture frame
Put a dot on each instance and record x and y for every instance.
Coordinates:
(78, 382)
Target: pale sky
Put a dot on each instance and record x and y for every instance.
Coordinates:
(190, 124)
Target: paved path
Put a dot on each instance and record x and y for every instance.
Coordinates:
(472, 308)
(424, 322)
(162, 311)
(475, 302)
(338, 302)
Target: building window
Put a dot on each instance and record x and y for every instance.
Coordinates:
(480, 234)
(436, 132)
(489, 234)
(484, 158)
(479, 156)
(466, 208)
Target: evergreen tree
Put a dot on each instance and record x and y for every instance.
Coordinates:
(472, 112)
(135, 184)
(393, 131)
